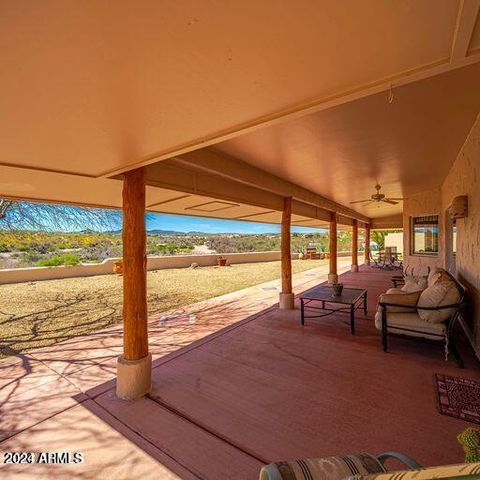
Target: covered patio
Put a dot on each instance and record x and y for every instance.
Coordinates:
(360, 115)
(260, 389)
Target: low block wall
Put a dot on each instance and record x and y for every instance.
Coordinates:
(34, 274)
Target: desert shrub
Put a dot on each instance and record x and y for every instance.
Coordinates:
(63, 259)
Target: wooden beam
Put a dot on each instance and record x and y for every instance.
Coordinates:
(467, 16)
(135, 336)
(367, 245)
(286, 246)
(172, 175)
(220, 164)
(355, 246)
(332, 276)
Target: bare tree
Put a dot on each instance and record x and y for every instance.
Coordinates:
(18, 215)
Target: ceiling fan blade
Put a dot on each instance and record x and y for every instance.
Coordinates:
(399, 199)
(389, 200)
(362, 201)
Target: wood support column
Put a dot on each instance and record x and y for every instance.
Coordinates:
(286, 296)
(355, 246)
(333, 276)
(367, 244)
(134, 366)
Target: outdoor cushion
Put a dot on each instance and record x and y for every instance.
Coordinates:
(433, 276)
(407, 299)
(396, 290)
(442, 292)
(329, 468)
(461, 471)
(414, 284)
(434, 331)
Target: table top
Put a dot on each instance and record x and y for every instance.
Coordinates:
(325, 293)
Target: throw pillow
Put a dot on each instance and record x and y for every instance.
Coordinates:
(414, 284)
(440, 293)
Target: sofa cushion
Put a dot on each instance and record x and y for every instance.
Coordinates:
(414, 284)
(328, 468)
(442, 292)
(396, 290)
(399, 321)
(463, 471)
(433, 276)
(407, 299)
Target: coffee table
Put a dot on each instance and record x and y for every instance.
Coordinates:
(321, 298)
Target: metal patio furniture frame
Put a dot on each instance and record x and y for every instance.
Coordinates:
(449, 342)
(359, 301)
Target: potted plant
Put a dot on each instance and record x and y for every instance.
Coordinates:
(118, 267)
(337, 289)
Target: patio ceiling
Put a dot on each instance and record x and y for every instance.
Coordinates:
(90, 90)
(406, 146)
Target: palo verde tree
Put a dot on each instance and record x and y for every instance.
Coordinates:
(24, 215)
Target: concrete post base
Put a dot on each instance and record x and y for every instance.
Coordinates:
(354, 268)
(134, 377)
(287, 301)
(332, 278)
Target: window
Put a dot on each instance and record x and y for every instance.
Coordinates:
(425, 235)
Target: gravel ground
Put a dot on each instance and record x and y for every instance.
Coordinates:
(37, 314)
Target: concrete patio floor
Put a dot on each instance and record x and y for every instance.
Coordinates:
(47, 397)
(242, 386)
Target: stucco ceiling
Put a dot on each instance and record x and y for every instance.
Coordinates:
(407, 146)
(96, 87)
(93, 89)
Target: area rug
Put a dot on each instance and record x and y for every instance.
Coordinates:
(458, 397)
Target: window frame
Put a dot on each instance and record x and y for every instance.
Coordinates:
(412, 236)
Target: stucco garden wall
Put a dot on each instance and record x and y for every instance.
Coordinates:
(34, 274)
(464, 179)
(17, 275)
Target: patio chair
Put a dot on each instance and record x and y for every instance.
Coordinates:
(376, 261)
(430, 313)
(363, 467)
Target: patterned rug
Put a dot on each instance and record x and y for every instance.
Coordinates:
(458, 397)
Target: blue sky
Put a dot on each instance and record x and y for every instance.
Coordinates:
(46, 217)
(183, 223)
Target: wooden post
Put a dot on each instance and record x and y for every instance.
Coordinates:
(287, 299)
(332, 276)
(367, 244)
(134, 366)
(355, 246)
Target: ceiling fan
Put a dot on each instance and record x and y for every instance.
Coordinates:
(380, 197)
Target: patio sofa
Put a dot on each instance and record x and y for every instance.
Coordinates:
(364, 467)
(426, 307)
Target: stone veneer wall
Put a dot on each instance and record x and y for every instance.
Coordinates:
(463, 179)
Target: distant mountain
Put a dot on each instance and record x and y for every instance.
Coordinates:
(165, 232)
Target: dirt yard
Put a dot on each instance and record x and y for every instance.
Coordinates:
(37, 314)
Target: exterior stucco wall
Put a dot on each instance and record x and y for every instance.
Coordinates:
(464, 179)
(424, 203)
